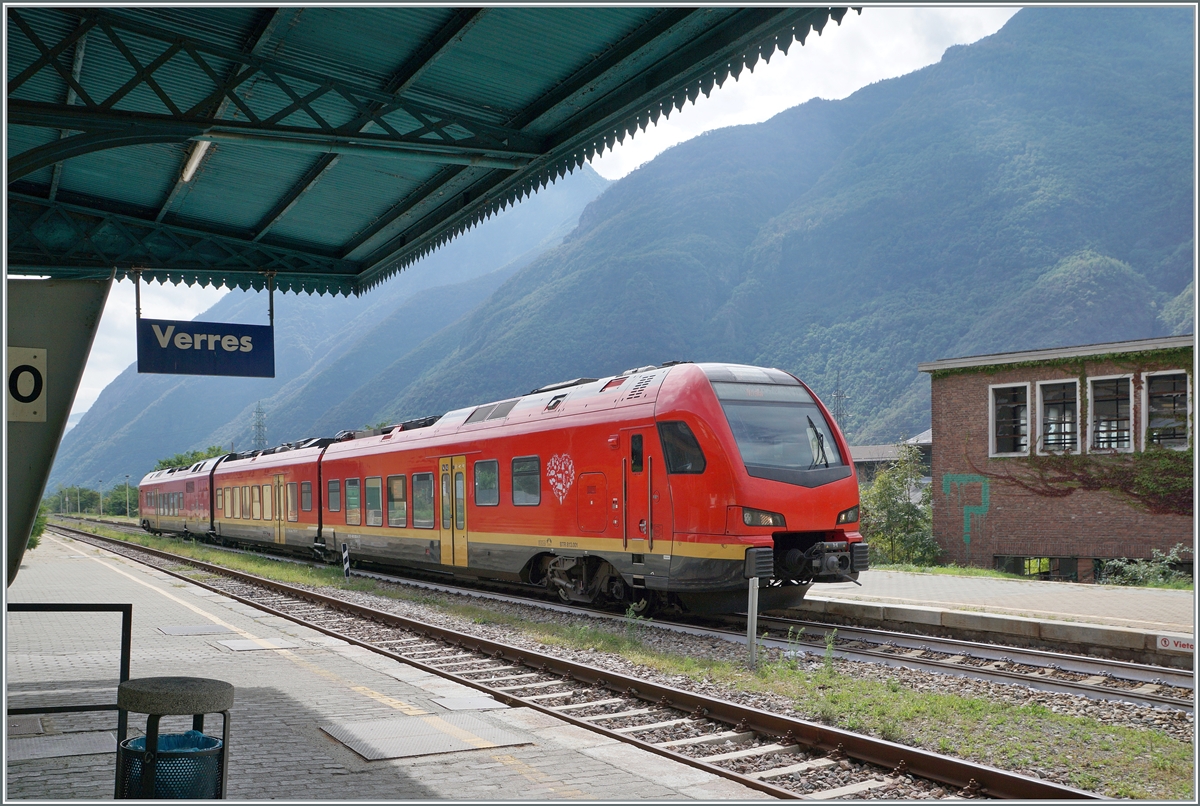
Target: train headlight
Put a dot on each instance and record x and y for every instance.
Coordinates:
(757, 517)
(848, 515)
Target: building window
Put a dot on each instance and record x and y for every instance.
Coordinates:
(1060, 417)
(487, 483)
(422, 500)
(353, 513)
(1167, 410)
(526, 481)
(1010, 420)
(374, 501)
(1111, 414)
(397, 501)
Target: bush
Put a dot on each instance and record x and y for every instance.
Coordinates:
(39, 526)
(1158, 571)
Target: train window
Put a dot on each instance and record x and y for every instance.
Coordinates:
(190, 487)
(246, 502)
(680, 448)
(422, 500)
(353, 513)
(267, 499)
(219, 498)
(374, 501)
(306, 495)
(446, 501)
(256, 502)
(460, 501)
(397, 501)
(636, 459)
(780, 430)
(335, 495)
(228, 503)
(526, 481)
(237, 502)
(293, 512)
(487, 483)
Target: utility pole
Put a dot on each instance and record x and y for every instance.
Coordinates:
(260, 427)
(126, 495)
(839, 401)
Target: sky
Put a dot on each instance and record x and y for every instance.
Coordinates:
(880, 43)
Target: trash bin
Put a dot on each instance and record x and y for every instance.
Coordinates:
(187, 765)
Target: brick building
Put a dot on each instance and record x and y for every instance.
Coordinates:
(1002, 425)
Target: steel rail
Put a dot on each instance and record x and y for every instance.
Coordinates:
(943, 769)
(1039, 680)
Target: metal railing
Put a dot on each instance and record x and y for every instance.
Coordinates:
(126, 611)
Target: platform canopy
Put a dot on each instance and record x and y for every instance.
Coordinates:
(328, 147)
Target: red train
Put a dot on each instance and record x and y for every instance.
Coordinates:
(657, 487)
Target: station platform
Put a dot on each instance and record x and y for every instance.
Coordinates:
(1148, 625)
(295, 689)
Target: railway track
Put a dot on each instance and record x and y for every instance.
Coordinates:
(780, 755)
(1063, 673)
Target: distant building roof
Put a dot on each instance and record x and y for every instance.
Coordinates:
(888, 453)
(1138, 346)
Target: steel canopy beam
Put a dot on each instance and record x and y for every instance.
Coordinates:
(83, 241)
(681, 76)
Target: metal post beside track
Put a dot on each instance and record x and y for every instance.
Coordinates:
(752, 622)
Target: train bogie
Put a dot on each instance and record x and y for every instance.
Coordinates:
(646, 487)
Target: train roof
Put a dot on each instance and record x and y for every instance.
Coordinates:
(551, 400)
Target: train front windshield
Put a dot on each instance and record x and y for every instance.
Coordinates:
(778, 426)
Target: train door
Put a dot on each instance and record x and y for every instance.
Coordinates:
(280, 511)
(647, 528)
(452, 485)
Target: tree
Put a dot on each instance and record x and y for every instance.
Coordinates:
(897, 518)
(39, 525)
(190, 457)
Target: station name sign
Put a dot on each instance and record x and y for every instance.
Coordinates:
(205, 348)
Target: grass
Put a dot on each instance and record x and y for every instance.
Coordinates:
(1112, 760)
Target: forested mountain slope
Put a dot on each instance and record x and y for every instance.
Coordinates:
(1033, 189)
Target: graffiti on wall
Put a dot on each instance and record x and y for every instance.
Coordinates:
(960, 480)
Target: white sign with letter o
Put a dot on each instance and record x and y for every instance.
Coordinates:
(26, 385)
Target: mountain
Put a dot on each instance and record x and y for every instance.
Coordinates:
(1031, 190)
(320, 345)
(1034, 189)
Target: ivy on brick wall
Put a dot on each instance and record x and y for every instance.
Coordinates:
(1157, 480)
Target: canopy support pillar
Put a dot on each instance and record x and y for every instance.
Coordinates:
(58, 318)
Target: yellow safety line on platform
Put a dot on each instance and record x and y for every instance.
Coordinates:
(399, 705)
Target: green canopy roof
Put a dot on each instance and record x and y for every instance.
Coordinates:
(328, 147)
